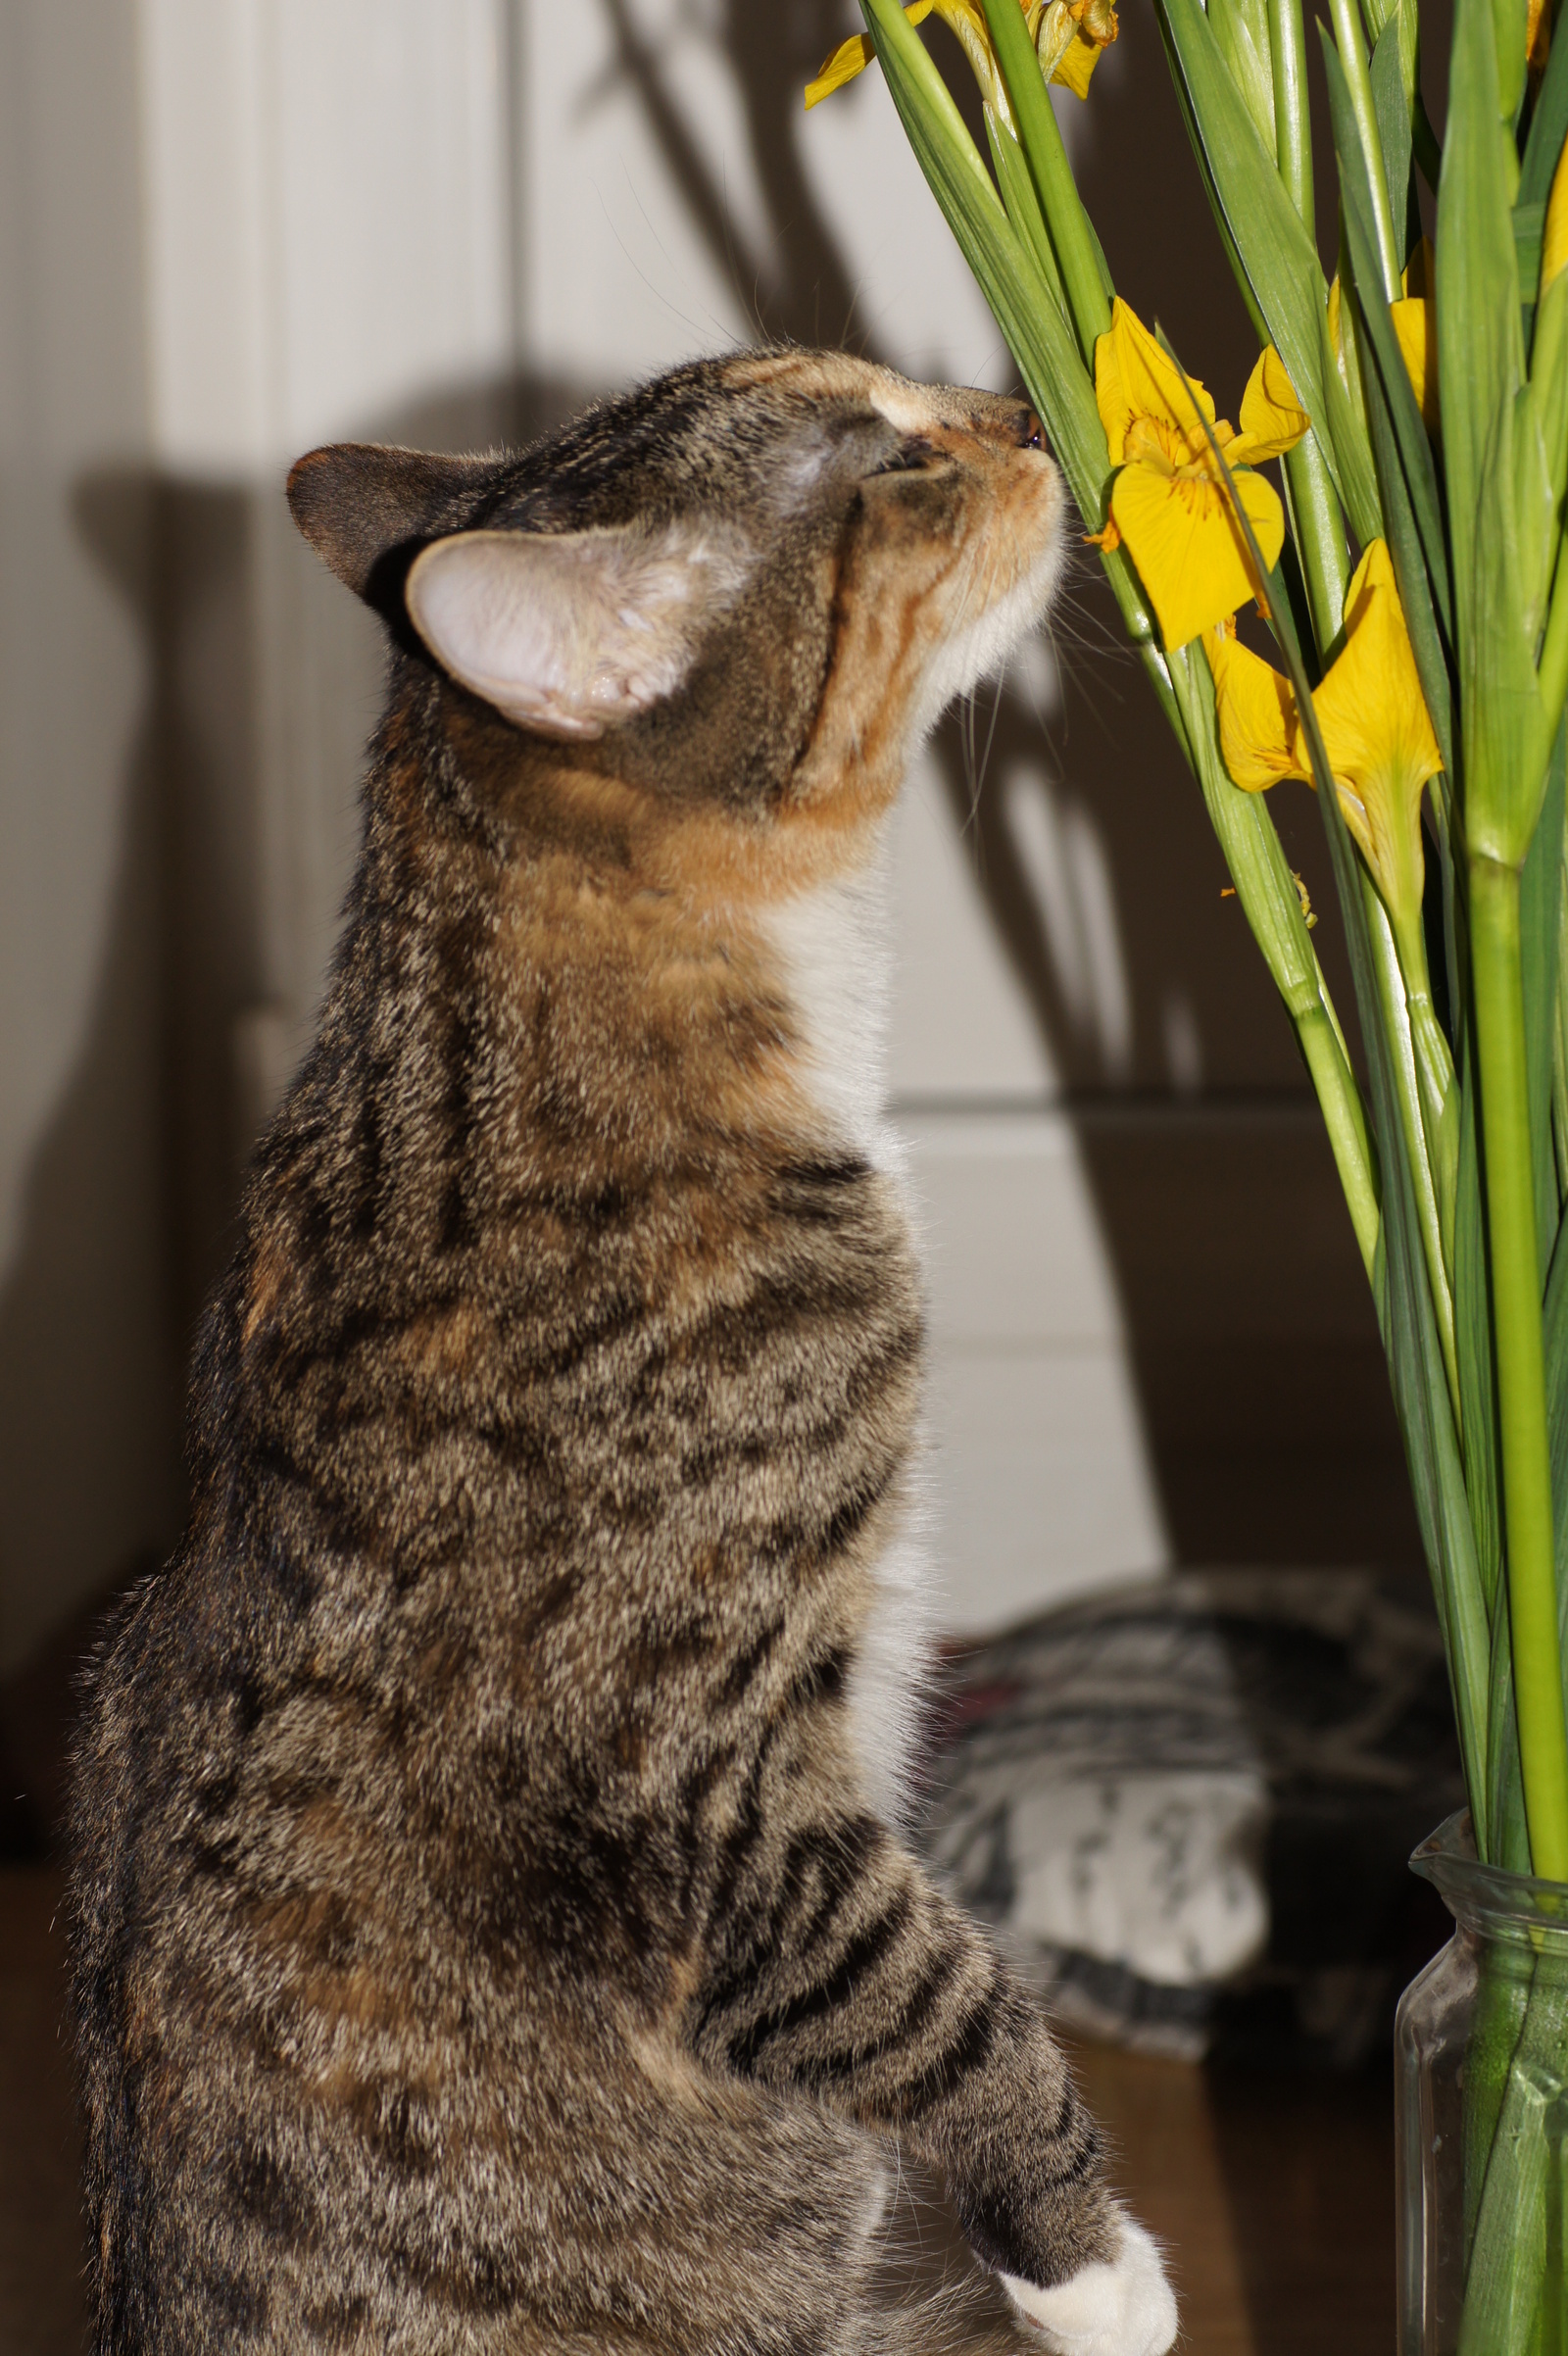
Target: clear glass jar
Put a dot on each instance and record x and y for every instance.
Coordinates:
(1481, 2069)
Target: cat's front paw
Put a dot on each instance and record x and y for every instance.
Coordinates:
(1117, 2307)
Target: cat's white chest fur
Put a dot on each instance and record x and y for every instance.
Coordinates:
(835, 957)
(834, 949)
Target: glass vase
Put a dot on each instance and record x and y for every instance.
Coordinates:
(1481, 2064)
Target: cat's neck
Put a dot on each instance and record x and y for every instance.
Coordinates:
(833, 949)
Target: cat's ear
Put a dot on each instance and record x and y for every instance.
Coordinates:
(366, 510)
(568, 632)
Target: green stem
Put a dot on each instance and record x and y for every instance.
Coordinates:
(1353, 57)
(1433, 1062)
(1023, 207)
(1513, 2287)
(1041, 140)
(1293, 122)
(1319, 539)
(1340, 1101)
(1499, 1015)
(1553, 668)
(1407, 1088)
(1559, 1036)
(1266, 889)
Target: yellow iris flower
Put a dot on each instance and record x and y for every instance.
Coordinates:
(1537, 40)
(1415, 323)
(1169, 503)
(1068, 37)
(1375, 727)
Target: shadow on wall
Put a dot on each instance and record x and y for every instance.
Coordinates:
(1250, 1330)
(191, 1032)
(1250, 1333)
(179, 954)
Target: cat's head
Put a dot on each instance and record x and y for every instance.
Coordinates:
(752, 582)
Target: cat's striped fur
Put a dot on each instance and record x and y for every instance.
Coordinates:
(490, 1932)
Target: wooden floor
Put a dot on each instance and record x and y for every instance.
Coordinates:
(1273, 2194)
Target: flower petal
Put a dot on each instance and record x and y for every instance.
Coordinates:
(1110, 395)
(1416, 328)
(1371, 699)
(1188, 546)
(1259, 733)
(1538, 38)
(1134, 377)
(1272, 418)
(1415, 323)
(1077, 64)
(1378, 734)
(965, 20)
(851, 57)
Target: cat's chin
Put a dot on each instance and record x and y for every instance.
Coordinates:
(1117, 2307)
(981, 650)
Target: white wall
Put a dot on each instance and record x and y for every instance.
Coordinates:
(87, 1373)
(230, 229)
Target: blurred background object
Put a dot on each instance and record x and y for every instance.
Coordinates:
(230, 230)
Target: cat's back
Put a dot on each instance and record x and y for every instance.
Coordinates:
(554, 1426)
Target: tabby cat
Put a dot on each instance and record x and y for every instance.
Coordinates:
(493, 1929)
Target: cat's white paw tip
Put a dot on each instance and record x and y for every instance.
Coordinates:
(1120, 2307)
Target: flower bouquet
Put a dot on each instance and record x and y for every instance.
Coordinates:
(1413, 598)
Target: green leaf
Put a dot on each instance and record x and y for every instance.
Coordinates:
(1346, 408)
(1509, 2305)
(1293, 123)
(1472, 1327)
(1245, 46)
(1549, 128)
(1480, 354)
(1039, 137)
(1416, 466)
(1023, 208)
(1529, 225)
(1402, 16)
(1025, 310)
(1194, 140)
(1443, 1502)
(1541, 890)
(1534, 505)
(1508, 1833)
(1554, 1337)
(1392, 105)
(1358, 81)
(1508, 25)
(1405, 1309)
(1277, 256)
(1408, 559)
(1506, 745)
(1549, 377)
(1249, 840)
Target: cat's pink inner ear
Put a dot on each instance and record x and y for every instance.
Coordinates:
(568, 633)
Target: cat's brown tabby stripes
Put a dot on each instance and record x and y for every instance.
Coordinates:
(492, 1926)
